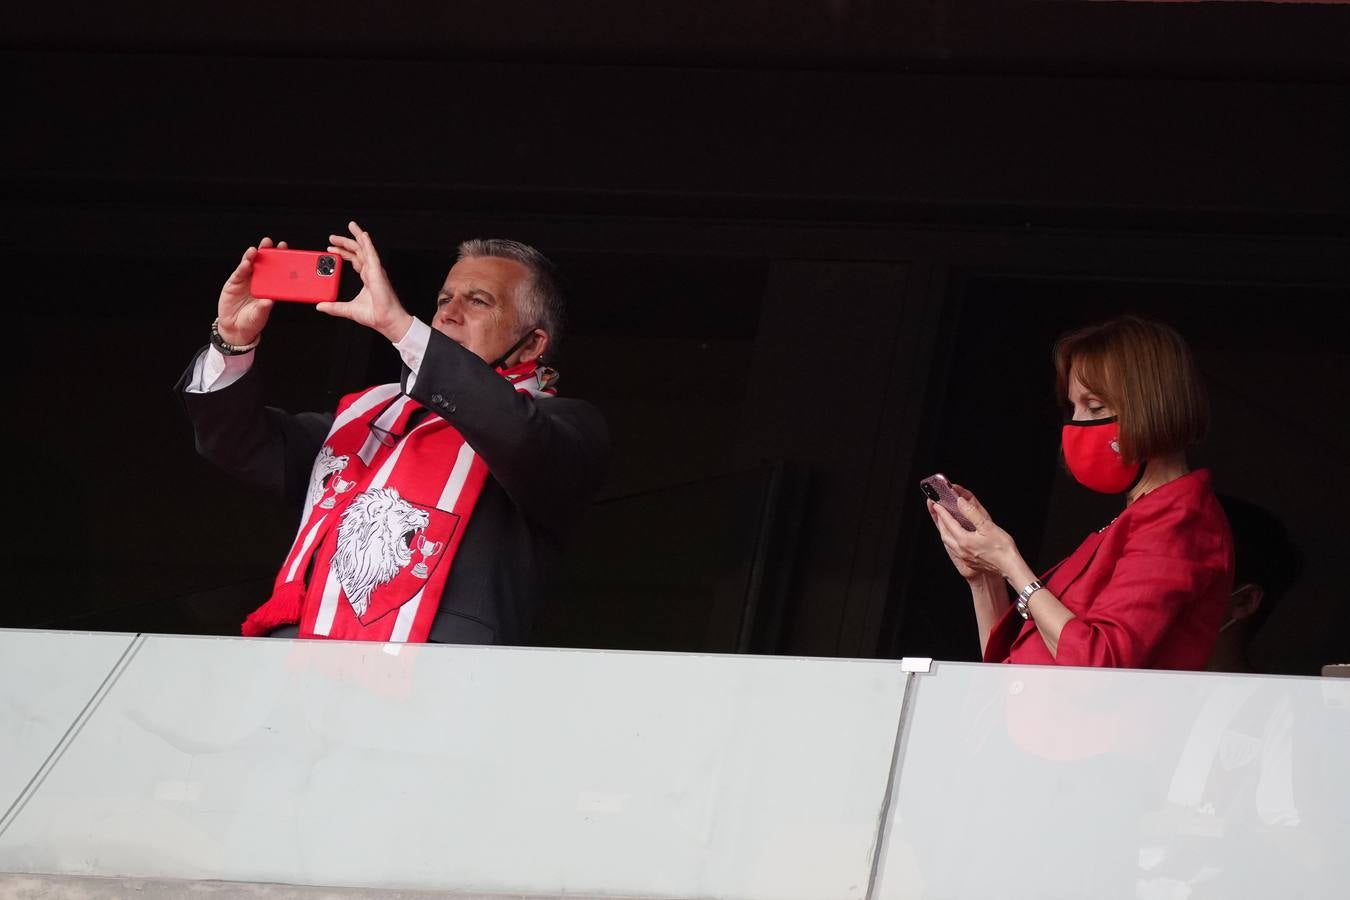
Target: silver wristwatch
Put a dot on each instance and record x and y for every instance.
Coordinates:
(1024, 595)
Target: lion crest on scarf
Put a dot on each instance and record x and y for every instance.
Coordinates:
(374, 543)
(326, 465)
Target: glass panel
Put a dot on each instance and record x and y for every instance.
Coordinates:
(1022, 782)
(492, 769)
(46, 678)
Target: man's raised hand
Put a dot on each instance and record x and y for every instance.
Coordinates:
(242, 315)
(376, 305)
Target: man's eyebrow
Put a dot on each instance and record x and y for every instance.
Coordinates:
(472, 292)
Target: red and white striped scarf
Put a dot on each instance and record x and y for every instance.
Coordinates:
(383, 519)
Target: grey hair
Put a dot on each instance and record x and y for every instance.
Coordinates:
(540, 301)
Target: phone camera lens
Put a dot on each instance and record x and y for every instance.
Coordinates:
(327, 265)
(929, 492)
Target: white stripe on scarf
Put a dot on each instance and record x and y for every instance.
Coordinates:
(449, 497)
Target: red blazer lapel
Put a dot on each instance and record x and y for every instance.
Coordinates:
(1056, 580)
(1066, 572)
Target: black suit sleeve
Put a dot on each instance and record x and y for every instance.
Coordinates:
(549, 455)
(259, 444)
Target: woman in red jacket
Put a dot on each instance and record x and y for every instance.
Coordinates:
(1147, 591)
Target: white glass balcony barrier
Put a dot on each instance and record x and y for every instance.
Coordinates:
(476, 769)
(583, 774)
(1030, 782)
(48, 680)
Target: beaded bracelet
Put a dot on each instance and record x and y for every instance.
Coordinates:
(230, 349)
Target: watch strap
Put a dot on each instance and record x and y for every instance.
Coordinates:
(1024, 596)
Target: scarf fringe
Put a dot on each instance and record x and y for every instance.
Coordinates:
(282, 608)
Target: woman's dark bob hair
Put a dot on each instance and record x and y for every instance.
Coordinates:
(1144, 371)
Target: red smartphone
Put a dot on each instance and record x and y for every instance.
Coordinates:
(301, 276)
(938, 489)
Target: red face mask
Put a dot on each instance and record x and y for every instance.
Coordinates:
(1092, 453)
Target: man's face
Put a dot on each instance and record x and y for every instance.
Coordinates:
(476, 307)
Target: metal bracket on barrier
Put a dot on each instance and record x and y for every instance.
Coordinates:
(920, 665)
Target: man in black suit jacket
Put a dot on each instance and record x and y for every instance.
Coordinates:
(500, 307)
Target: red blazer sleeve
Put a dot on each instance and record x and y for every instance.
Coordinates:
(1150, 596)
(1163, 601)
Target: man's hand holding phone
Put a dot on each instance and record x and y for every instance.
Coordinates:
(243, 316)
(376, 305)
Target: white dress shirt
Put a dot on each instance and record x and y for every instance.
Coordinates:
(214, 371)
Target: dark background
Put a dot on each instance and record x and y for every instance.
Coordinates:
(816, 251)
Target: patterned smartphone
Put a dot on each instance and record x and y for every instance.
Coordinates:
(938, 489)
(301, 276)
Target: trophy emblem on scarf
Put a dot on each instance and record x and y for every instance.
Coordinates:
(428, 548)
(339, 487)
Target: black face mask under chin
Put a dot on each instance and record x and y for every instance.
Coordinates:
(500, 361)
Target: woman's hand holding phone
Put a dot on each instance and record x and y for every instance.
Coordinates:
(987, 550)
(242, 316)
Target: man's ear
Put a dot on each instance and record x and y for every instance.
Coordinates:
(535, 347)
(1245, 601)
